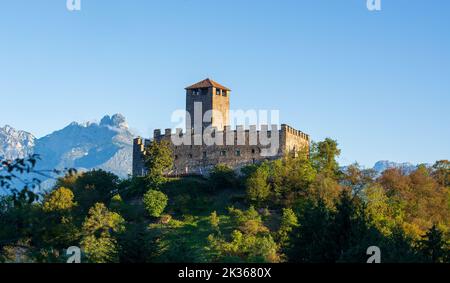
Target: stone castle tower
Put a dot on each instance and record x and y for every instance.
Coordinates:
(234, 147)
(213, 97)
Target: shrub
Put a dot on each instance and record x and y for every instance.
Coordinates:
(155, 202)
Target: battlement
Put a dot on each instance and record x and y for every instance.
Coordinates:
(157, 133)
(292, 131)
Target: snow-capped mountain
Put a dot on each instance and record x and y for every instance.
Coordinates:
(383, 165)
(105, 145)
(14, 143)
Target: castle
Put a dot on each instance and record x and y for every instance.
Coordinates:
(209, 139)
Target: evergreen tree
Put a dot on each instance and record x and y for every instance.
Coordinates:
(433, 247)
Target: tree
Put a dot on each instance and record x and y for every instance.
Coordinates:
(441, 172)
(59, 200)
(258, 187)
(159, 160)
(324, 156)
(222, 176)
(99, 229)
(433, 246)
(289, 221)
(214, 220)
(290, 178)
(325, 189)
(250, 242)
(357, 179)
(155, 202)
(96, 186)
(311, 241)
(135, 245)
(381, 213)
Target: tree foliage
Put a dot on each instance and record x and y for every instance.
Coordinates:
(159, 160)
(155, 202)
(99, 228)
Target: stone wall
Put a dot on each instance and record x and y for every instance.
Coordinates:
(200, 158)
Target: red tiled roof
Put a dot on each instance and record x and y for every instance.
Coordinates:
(206, 84)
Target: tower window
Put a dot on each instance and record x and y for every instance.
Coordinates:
(176, 157)
(238, 153)
(204, 154)
(190, 155)
(195, 92)
(223, 153)
(217, 91)
(224, 93)
(253, 151)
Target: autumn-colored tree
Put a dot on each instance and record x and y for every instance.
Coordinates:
(59, 200)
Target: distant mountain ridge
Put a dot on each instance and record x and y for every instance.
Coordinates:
(383, 165)
(105, 145)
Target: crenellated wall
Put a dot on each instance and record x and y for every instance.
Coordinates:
(239, 147)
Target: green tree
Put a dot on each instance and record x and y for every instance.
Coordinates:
(135, 245)
(155, 202)
(289, 221)
(222, 176)
(382, 214)
(159, 160)
(250, 242)
(99, 231)
(311, 241)
(214, 220)
(323, 156)
(258, 187)
(96, 186)
(433, 246)
(57, 228)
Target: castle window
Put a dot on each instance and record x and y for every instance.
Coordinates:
(223, 153)
(253, 151)
(176, 157)
(238, 153)
(204, 154)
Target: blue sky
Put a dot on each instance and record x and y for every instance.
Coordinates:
(378, 82)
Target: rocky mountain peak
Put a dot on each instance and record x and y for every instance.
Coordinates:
(115, 121)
